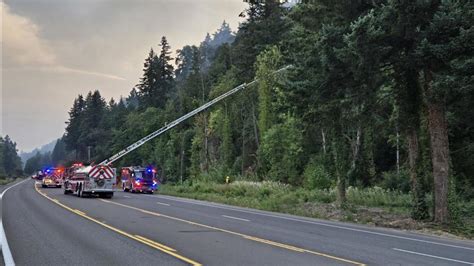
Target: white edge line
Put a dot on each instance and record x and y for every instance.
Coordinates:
(311, 222)
(161, 203)
(128, 197)
(3, 192)
(432, 256)
(236, 218)
(6, 252)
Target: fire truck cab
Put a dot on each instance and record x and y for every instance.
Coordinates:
(138, 179)
(90, 180)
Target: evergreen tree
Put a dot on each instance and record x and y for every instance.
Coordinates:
(165, 79)
(73, 128)
(11, 161)
(92, 132)
(148, 88)
(59, 154)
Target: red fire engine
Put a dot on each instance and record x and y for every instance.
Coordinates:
(138, 179)
(52, 177)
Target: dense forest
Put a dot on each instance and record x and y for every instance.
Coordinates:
(378, 94)
(10, 162)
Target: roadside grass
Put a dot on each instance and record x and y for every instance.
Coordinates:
(377, 206)
(5, 181)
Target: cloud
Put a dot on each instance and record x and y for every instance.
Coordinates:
(21, 43)
(23, 48)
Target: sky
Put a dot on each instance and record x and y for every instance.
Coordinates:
(53, 50)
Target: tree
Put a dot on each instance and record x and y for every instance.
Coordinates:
(267, 63)
(11, 161)
(165, 80)
(73, 128)
(281, 151)
(92, 133)
(58, 156)
(446, 41)
(148, 88)
(33, 164)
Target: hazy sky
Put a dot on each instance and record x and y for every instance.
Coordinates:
(53, 50)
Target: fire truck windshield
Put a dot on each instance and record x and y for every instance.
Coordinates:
(143, 175)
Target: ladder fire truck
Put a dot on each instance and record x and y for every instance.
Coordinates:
(90, 180)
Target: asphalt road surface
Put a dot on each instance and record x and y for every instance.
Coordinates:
(46, 227)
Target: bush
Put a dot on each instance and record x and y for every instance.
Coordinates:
(316, 176)
(377, 197)
(393, 181)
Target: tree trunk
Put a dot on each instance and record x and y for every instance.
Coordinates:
(398, 152)
(413, 155)
(206, 146)
(420, 208)
(438, 130)
(243, 142)
(440, 160)
(255, 127)
(324, 141)
(341, 179)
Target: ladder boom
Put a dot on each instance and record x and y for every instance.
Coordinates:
(169, 126)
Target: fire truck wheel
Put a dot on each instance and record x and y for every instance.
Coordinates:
(43, 186)
(125, 189)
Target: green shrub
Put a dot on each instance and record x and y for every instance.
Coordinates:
(394, 181)
(377, 197)
(316, 176)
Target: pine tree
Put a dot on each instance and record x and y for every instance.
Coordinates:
(147, 88)
(11, 161)
(73, 128)
(58, 156)
(165, 79)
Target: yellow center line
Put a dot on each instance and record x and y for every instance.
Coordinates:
(265, 241)
(140, 239)
(155, 243)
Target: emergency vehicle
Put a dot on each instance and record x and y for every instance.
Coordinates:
(138, 179)
(90, 180)
(52, 177)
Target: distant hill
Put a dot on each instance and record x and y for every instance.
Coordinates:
(43, 149)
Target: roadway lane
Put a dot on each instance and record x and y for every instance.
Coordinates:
(206, 245)
(207, 233)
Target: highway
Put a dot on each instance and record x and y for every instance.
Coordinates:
(46, 227)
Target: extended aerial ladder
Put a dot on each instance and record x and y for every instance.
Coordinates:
(171, 125)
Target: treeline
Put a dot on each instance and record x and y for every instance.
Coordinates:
(10, 162)
(379, 94)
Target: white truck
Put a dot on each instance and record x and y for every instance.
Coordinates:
(91, 180)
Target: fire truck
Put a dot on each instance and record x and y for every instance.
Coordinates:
(52, 177)
(138, 179)
(90, 180)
